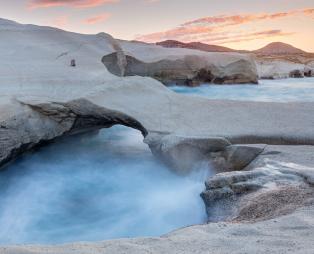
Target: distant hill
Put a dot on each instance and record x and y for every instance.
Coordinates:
(279, 48)
(194, 45)
(274, 48)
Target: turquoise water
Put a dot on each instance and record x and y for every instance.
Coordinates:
(285, 90)
(95, 187)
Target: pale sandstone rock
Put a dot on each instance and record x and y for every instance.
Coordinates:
(190, 70)
(277, 182)
(273, 68)
(44, 98)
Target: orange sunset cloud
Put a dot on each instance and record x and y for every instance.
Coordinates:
(69, 3)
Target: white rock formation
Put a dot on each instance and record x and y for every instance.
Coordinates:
(43, 97)
(285, 66)
(278, 69)
(186, 66)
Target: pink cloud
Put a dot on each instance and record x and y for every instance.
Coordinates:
(308, 11)
(174, 33)
(33, 4)
(249, 36)
(238, 19)
(97, 19)
(198, 29)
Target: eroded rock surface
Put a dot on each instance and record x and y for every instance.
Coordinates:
(184, 153)
(189, 70)
(277, 182)
(278, 67)
(45, 98)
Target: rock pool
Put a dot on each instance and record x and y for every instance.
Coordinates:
(94, 187)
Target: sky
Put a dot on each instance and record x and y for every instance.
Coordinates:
(239, 24)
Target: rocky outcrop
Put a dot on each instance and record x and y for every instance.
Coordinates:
(308, 72)
(277, 182)
(190, 70)
(45, 98)
(234, 157)
(296, 74)
(184, 153)
(284, 66)
(38, 123)
(276, 69)
(239, 72)
(274, 61)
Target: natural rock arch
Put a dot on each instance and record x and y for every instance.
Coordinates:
(54, 120)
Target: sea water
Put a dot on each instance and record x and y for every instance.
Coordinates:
(284, 90)
(94, 187)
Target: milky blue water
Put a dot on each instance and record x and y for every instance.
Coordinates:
(108, 185)
(285, 90)
(95, 187)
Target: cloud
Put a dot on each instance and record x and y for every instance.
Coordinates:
(246, 18)
(308, 11)
(222, 28)
(174, 33)
(97, 19)
(249, 36)
(237, 19)
(33, 4)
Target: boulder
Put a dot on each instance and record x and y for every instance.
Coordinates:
(235, 157)
(184, 153)
(308, 72)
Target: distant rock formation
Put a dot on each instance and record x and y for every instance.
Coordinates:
(279, 48)
(275, 60)
(189, 70)
(274, 48)
(194, 45)
(296, 74)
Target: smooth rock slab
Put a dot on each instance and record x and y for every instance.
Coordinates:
(287, 234)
